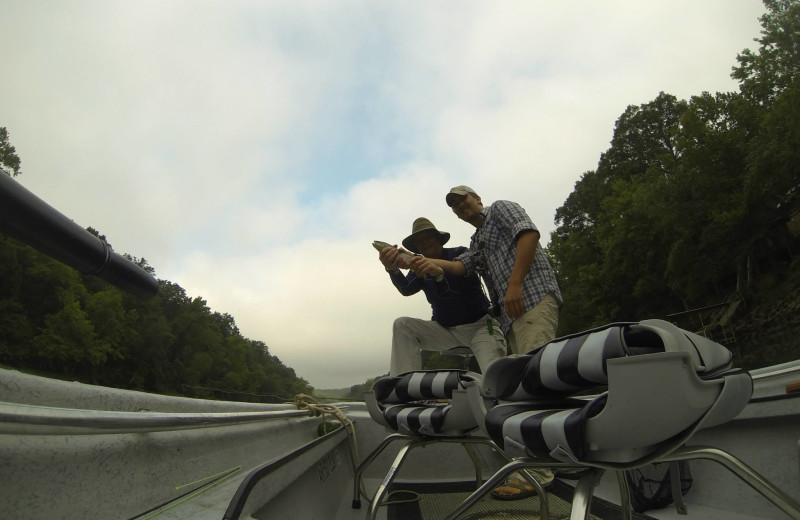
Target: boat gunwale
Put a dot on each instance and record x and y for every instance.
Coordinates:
(249, 482)
(39, 420)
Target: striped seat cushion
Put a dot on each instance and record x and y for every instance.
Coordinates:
(408, 401)
(419, 386)
(414, 419)
(561, 367)
(545, 428)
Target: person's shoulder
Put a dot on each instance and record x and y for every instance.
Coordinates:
(452, 252)
(504, 204)
(503, 207)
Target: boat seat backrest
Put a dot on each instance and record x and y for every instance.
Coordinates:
(418, 403)
(651, 382)
(576, 363)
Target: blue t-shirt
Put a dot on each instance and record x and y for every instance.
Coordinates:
(455, 300)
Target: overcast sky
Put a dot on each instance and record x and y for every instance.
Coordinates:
(251, 151)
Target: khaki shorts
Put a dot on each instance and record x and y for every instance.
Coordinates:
(536, 327)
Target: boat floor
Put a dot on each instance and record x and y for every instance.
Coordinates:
(606, 490)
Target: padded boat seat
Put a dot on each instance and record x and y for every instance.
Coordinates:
(656, 383)
(613, 398)
(418, 403)
(420, 408)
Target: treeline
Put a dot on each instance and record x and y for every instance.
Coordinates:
(56, 321)
(692, 205)
(694, 198)
(692, 202)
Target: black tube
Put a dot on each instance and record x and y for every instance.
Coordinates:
(31, 220)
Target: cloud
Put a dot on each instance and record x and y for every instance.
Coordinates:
(316, 305)
(251, 151)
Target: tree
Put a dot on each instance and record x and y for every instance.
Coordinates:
(688, 193)
(765, 74)
(53, 318)
(9, 160)
(770, 84)
(645, 139)
(609, 247)
(575, 254)
(70, 342)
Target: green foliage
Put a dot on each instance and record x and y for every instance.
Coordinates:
(9, 160)
(691, 199)
(691, 196)
(439, 361)
(356, 392)
(55, 320)
(326, 427)
(765, 74)
(352, 393)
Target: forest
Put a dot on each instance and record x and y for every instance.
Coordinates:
(58, 322)
(691, 215)
(695, 204)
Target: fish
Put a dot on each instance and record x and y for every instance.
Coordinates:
(405, 257)
(380, 245)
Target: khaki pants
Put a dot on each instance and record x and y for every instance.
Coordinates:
(533, 329)
(536, 327)
(412, 335)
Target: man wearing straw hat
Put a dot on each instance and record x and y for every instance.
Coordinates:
(459, 305)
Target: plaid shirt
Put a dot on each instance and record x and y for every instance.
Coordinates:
(492, 252)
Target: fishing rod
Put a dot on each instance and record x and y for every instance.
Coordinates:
(32, 221)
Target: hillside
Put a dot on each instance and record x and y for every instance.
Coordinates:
(768, 327)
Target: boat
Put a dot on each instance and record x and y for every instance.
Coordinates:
(71, 450)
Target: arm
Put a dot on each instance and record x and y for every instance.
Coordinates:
(392, 262)
(527, 242)
(435, 266)
(406, 284)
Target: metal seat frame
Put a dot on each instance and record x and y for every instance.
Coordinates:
(584, 490)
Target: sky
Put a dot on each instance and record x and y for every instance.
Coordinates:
(251, 151)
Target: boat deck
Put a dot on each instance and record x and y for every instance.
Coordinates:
(129, 455)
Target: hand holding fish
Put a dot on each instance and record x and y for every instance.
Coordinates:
(391, 256)
(423, 267)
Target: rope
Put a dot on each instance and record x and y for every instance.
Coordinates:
(306, 402)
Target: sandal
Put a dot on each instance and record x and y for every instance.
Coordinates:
(521, 489)
(572, 473)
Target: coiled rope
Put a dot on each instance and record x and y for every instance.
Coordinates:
(306, 402)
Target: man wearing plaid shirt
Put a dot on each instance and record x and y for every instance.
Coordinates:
(505, 251)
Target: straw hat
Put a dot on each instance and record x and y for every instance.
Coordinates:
(420, 225)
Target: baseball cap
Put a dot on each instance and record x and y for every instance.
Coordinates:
(461, 191)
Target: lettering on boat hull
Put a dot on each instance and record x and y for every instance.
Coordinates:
(328, 465)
